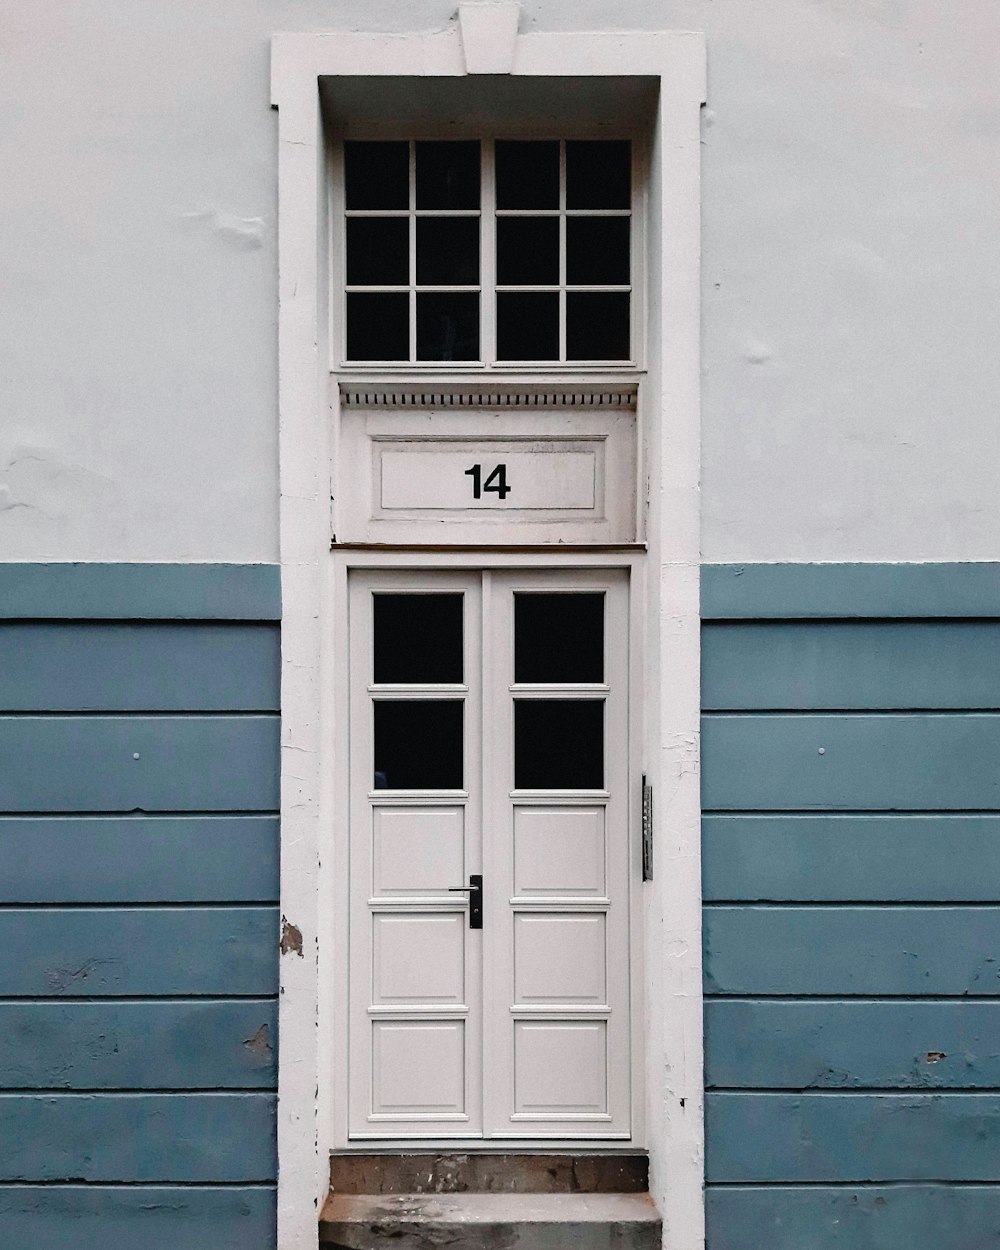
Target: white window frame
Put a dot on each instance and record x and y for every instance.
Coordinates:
(488, 215)
(313, 626)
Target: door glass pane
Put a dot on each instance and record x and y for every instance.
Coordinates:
(558, 744)
(418, 744)
(417, 638)
(558, 637)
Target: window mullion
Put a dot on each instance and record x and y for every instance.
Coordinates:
(562, 250)
(487, 257)
(413, 250)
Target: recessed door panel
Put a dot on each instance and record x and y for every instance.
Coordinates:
(417, 849)
(560, 957)
(418, 958)
(560, 1069)
(559, 850)
(418, 1069)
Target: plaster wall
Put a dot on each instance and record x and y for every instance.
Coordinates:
(851, 278)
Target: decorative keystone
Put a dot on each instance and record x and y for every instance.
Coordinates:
(489, 32)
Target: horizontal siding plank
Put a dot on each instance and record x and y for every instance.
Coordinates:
(877, 1217)
(769, 591)
(138, 1045)
(137, 1137)
(834, 664)
(106, 1217)
(81, 591)
(124, 952)
(851, 762)
(852, 950)
(138, 859)
(852, 1045)
(185, 763)
(852, 1137)
(941, 858)
(139, 666)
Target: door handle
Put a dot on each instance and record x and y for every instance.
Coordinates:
(475, 892)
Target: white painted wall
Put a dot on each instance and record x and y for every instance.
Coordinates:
(851, 273)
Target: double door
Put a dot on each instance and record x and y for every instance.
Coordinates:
(489, 978)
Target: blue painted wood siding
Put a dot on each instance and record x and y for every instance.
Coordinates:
(851, 864)
(138, 906)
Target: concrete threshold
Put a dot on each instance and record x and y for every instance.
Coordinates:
(477, 1221)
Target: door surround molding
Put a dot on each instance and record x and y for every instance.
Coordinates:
(311, 634)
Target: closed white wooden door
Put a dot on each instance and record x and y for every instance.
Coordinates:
(489, 742)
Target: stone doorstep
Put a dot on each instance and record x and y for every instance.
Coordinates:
(490, 1172)
(490, 1222)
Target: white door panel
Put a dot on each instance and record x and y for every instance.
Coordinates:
(519, 1029)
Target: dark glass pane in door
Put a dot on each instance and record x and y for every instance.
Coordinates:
(448, 174)
(559, 744)
(527, 173)
(559, 637)
(418, 744)
(377, 175)
(417, 638)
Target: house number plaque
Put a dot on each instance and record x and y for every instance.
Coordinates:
(539, 477)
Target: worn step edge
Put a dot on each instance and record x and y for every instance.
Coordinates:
(414, 1220)
(537, 1172)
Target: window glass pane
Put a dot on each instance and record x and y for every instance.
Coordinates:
(558, 744)
(378, 326)
(378, 251)
(528, 251)
(597, 325)
(527, 325)
(418, 638)
(527, 174)
(558, 637)
(448, 325)
(598, 173)
(448, 174)
(447, 251)
(377, 175)
(418, 744)
(597, 251)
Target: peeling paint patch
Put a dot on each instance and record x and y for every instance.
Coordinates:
(291, 939)
(935, 1056)
(245, 234)
(259, 1045)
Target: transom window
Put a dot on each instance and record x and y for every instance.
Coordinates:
(507, 251)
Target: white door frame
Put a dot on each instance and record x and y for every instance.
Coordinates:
(311, 586)
(430, 564)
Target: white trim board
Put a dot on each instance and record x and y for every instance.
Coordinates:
(312, 589)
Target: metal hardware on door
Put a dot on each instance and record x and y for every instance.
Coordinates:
(475, 892)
